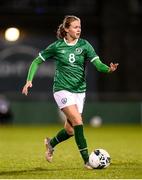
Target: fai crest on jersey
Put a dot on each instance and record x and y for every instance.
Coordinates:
(64, 100)
(78, 50)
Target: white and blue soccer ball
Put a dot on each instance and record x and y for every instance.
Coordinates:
(99, 159)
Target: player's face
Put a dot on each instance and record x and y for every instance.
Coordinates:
(74, 30)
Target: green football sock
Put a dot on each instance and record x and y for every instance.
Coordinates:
(81, 142)
(61, 136)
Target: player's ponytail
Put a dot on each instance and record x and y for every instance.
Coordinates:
(61, 33)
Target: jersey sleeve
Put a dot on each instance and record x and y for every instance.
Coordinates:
(48, 52)
(101, 66)
(33, 68)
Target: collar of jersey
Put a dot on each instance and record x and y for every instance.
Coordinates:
(70, 44)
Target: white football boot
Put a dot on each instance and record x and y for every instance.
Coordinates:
(49, 150)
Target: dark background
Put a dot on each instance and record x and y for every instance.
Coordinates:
(113, 27)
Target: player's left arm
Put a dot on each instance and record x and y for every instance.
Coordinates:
(91, 54)
(103, 67)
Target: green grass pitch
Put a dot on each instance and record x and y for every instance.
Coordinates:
(22, 153)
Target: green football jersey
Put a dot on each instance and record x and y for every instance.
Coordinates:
(70, 63)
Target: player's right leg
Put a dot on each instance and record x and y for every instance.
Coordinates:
(61, 136)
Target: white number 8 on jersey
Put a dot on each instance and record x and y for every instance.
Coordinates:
(71, 58)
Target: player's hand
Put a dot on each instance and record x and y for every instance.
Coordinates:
(26, 87)
(113, 66)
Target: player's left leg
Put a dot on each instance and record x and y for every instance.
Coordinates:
(75, 118)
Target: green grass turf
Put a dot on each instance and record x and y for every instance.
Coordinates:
(22, 153)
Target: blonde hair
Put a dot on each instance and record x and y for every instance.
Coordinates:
(61, 33)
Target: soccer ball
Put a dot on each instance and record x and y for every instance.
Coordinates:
(99, 159)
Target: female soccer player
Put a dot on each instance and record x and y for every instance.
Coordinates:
(71, 54)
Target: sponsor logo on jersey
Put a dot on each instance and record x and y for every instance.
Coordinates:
(78, 50)
(64, 100)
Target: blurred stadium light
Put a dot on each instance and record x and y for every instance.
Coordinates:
(12, 34)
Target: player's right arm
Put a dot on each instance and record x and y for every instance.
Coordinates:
(32, 70)
(43, 56)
